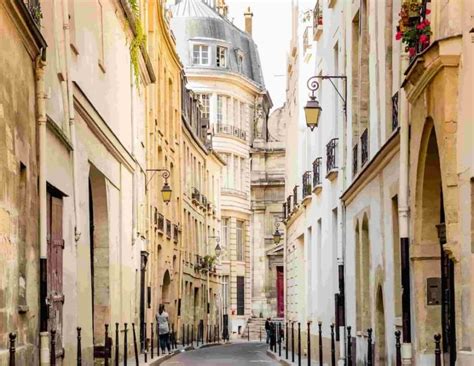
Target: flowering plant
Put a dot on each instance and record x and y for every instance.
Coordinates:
(413, 29)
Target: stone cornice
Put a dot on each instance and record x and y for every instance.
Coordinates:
(442, 53)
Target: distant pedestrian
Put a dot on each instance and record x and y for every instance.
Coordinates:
(268, 329)
(162, 319)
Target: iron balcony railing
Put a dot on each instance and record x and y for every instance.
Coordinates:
(231, 130)
(307, 186)
(331, 155)
(34, 7)
(355, 159)
(364, 147)
(284, 211)
(395, 111)
(288, 204)
(295, 196)
(168, 229)
(317, 163)
(196, 195)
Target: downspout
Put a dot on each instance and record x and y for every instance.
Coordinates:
(40, 66)
(403, 218)
(72, 124)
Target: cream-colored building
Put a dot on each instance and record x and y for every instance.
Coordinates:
(222, 68)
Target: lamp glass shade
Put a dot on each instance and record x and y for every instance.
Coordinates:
(276, 237)
(312, 111)
(166, 193)
(218, 250)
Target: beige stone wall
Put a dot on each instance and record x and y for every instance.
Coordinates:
(19, 249)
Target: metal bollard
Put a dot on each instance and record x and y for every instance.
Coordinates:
(158, 346)
(437, 339)
(299, 344)
(320, 332)
(53, 348)
(187, 334)
(135, 345)
(248, 333)
(12, 349)
(349, 346)
(79, 347)
(145, 343)
(370, 357)
(152, 333)
(117, 344)
(398, 346)
(260, 333)
(333, 347)
(286, 340)
(279, 339)
(308, 342)
(192, 335)
(106, 345)
(125, 345)
(184, 339)
(292, 341)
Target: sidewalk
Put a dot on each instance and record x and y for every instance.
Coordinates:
(282, 360)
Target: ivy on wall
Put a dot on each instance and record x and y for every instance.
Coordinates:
(137, 41)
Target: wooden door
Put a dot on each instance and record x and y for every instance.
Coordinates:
(55, 296)
(280, 293)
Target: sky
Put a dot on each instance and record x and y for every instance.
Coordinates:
(272, 33)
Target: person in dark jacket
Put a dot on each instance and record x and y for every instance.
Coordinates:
(268, 329)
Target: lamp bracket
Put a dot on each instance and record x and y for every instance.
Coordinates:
(313, 86)
(165, 174)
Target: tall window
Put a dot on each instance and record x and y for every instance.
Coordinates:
(225, 293)
(101, 37)
(225, 236)
(240, 295)
(200, 54)
(237, 173)
(220, 108)
(240, 240)
(204, 99)
(240, 63)
(236, 113)
(221, 57)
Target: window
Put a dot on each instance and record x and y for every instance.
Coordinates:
(236, 113)
(240, 63)
(240, 295)
(240, 240)
(220, 106)
(225, 293)
(204, 99)
(225, 235)
(221, 57)
(200, 54)
(237, 173)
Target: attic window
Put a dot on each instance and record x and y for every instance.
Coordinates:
(221, 56)
(240, 62)
(200, 54)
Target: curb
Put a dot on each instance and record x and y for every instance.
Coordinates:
(171, 355)
(277, 358)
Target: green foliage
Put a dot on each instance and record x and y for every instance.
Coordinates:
(137, 41)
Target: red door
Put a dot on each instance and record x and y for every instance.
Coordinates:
(280, 287)
(55, 268)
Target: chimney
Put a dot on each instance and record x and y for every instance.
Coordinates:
(248, 15)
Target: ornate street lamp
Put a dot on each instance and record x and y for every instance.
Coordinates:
(312, 110)
(277, 235)
(166, 190)
(218, 250)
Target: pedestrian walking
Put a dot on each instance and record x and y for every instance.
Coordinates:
(268, 330)
(162, 320)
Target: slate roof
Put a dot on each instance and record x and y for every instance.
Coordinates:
(195, 20)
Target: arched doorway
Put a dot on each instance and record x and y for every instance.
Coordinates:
(380, 348)
(165, 289)
(440, 310)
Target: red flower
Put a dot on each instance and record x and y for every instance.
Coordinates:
(420, 26)
(398, 36)
(426, 22)
(412, 51)
(427, 11)
(424, 38)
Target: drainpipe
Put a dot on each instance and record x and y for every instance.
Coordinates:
(72, 124)
(40, 67)
(403, 218)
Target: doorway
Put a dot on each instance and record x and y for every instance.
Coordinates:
(280, 292)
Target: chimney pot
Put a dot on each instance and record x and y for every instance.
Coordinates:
(248, 15)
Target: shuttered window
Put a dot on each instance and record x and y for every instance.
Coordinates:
(240, 295)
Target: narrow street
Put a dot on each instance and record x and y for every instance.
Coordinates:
(230, 354)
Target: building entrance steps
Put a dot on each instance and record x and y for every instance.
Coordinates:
(255, 330)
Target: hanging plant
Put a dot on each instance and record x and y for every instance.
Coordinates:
(137, 41)
(413, 29)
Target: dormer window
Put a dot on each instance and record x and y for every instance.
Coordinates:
(221, 56)
(240, 63)
(200, 54)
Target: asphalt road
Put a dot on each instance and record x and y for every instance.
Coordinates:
(237, 354)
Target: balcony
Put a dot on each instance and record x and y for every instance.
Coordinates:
(364, 147)
(234, 192)
(175, 233)
(317, 184)
(230, 130)
(331, 159)
(34, 7)
(204, 201)
(307, 186)
(161, 223)
(395, 111)
(307, 38)
(355, 160)
(168, 229)
(196, 196)
(288, 205)
(295, 197)
(318, 20)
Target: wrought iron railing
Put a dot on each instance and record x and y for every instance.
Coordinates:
(168, 229)
(295, 196)
(196, 195)
(395, 111)
(318, 15)
(231, 130)
(355, 159)
(34, 7)
(364, 147)
(161, 223)
(331, 155)
(288, 204)
(175, 233)
(317, 171)
(307, 186)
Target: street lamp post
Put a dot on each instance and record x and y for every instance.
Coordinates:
(277, 234)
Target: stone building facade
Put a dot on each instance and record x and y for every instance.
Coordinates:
(223, 69)
(388, 248)
(22, 56)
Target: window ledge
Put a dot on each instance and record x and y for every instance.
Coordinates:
(332, 174)
(317, 189)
